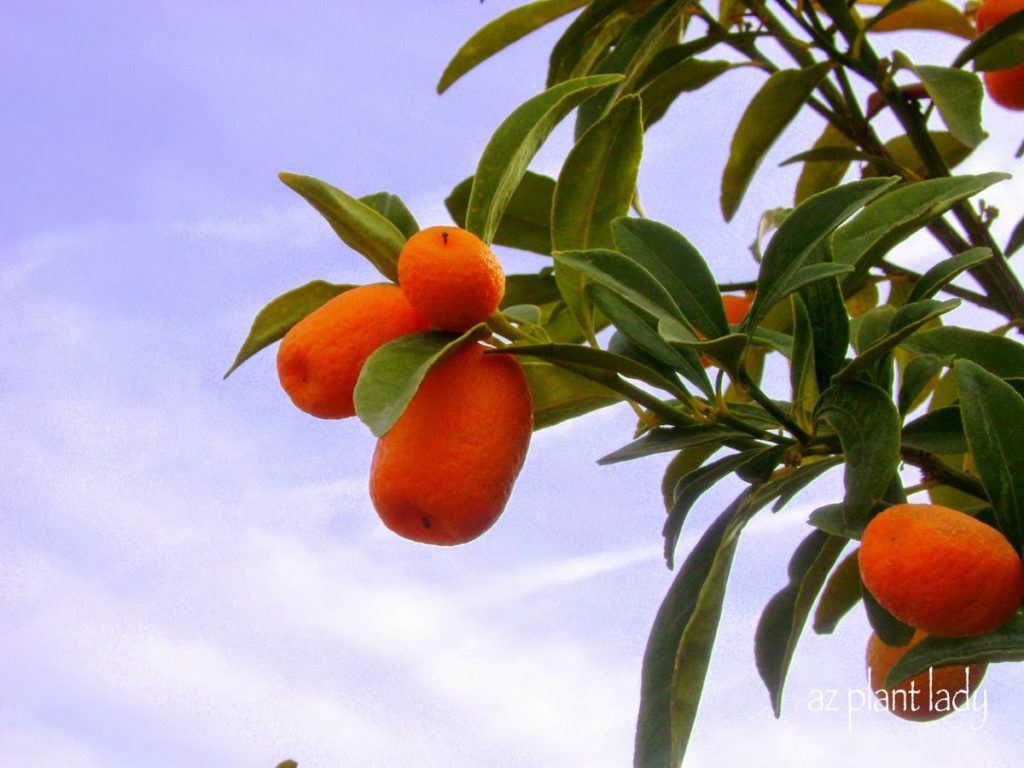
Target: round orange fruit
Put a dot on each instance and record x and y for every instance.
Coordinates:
(444, 472)
(928, 695)
(940, 570)
(320, 358)
(451, 277)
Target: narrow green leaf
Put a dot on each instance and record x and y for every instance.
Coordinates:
(801, 233)
(642, 330)
(946, 271)
(578, 37)
(1016, 239)
(919, 378)
(559, 395)
(392, 374)
(682, 464)
(288, 764)
(826, 154)
(668, 439)
(957, 94)
(679, 267)
(868, 426)
(1003, 644)
(817, 176)
(513, 145)
(997, 354)
(785, 488)
(593, 357)
(685, 76)
(903, 152)
(893, 217)
(360, 227)
(889, 629)
(993, 416)
(995, 34)
(785, 615)
(539, 289)
(940, 431)
(595, 186)
(830, 328)
(802, 380)
(393, 209)
(526, 223)
(276, 319)
(624, 277)
(773, 107)
(841, 594)
(501, 33)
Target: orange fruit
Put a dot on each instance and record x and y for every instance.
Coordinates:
(320, 358)
(736, 308)
(928, 695)
(444, 472)
(940, 570)
(1005, 86)
(451, 277)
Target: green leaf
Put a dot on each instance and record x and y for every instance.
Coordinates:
(919, 376)
(679, 267)
(773, 107)
(830, 328)
(939, 431)
(687, 75)
(624, 277)
(276, 319)
(907, 320)
(801, 366)
(502, 32)
(360, 227)
(1005, 54)
(841, 593)
(902, 150)
(889, 629)
(868, 426)
(946, 271)
(1001, 645)
(801, 234)
(641, 41)
(682, 464)
(679, 648)
(817, 176)
(668, 439)
(997, 354)
(510, 150)
(392, 374)
(559, 395)
(393, 209)
(642, 330)
(923, 14)
(592, 357)
(957, 95)
(526, 223)
(785, 615)
(694, 484)
(595, 186)
(992, 36)
(1016, 239)
(288, 764)
(539, 289)
(579, 35)
(993, 416)
(893, 217)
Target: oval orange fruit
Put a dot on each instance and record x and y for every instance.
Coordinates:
(444, 472)
(940, 570)
(451, 277)
(928, 695)
(320, 357)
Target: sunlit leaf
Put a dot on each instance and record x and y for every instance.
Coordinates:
(392, 374)
(957, 95)
(841, 593)
(926, 14)
(360, 227)
(513, 145)
(942, 274)
(502, 32)
(999, 355)
(526, 223)
(393, 209)
(817, 176)
(276, 319)
(773, 107)
(559, 395)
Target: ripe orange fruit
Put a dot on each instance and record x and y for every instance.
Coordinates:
(451, 277)
(940, 570)
(1005, 86)
(443, 473)
(928, 695)
(319, 359)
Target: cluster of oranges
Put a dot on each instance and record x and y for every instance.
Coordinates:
(944, 573)
(1005, 86)
(444, 472)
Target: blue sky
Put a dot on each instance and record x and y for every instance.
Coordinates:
(191, 571)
